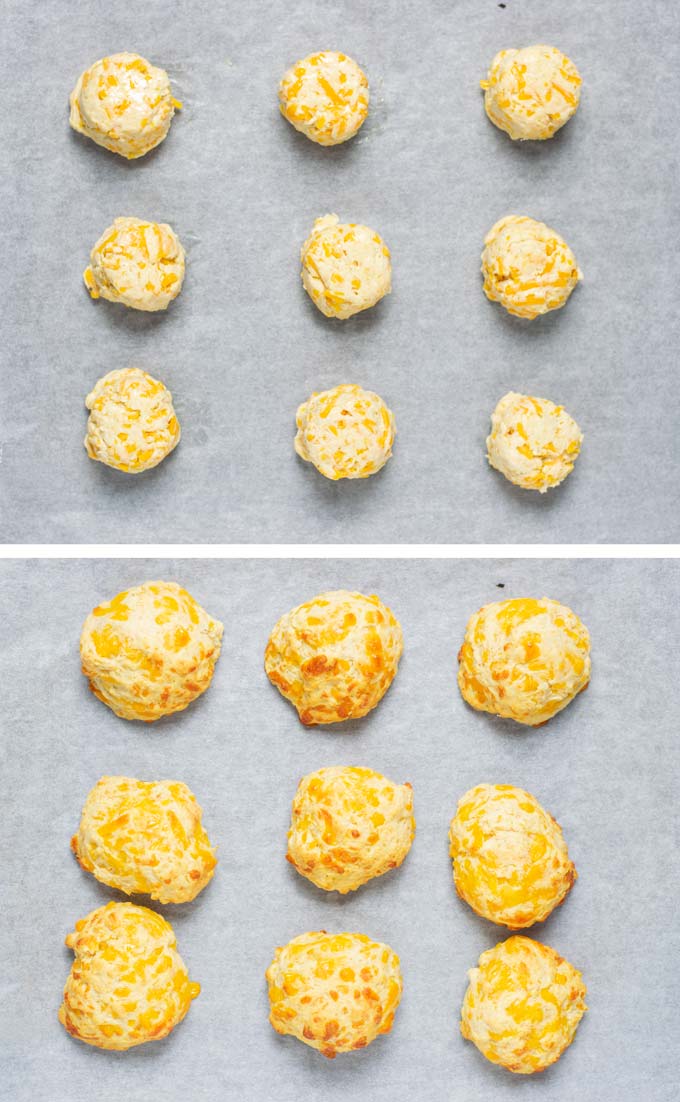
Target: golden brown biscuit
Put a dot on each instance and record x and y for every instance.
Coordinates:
(132, 424)
(334, 657)
(325, 97)
(523, 1005)
(150, 651)
(348, 825)
(145, 836)
(527, 267)
(531, 93)
(128, 984)
(346, 267)
(510, 860)
(334, 992)
(139, 264)
(524, 659)
(346, 432)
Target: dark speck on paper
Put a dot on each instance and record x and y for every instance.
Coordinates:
(500, 585)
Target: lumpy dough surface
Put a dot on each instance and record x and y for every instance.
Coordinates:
(533, 442)
(510, 860)
(139, 264)
(348, 825)
(325, 97)
(346, 267)
(123, 103)
(150, 651)
(346, 432)
(334, 992)
(527, 267)
(334, 657)
(132, 424)
(145, 836)
(524, 659)
(523, 1005)
(128, 984)
(532, 92)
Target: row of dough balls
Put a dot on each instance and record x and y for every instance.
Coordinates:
(152, 650)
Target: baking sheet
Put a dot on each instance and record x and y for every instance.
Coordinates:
(243, 346)
(606, 767)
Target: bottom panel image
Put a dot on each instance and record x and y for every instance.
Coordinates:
(339, 828)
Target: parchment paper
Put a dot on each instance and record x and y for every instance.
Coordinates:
(606, 767)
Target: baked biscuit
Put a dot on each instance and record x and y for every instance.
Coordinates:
(527, 267)
(334, 657)
(523, 1005)
(348, 825)
(346, 267)
(325, 97)
(150, 651)
(145, 836)
(524, 659)
(346, 432)
(128, 984)
(123, 103)
(510, 860)
(533, 442)
(334, 992)
(532, 92)
(139, 264)
(132, 424)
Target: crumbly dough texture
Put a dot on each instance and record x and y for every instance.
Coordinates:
(510, 860)
(348, 825)
(132, 424)
(325, 97)
(532, 92)
(346, 432)
(334, 992)
(139, 264)
(523, 1005)
(145, 836)
(533, 442)
(123, 103)
(150, 651)
(335, 656)
(524, 659)
(128, 984)
(346, 267)
(527, 267)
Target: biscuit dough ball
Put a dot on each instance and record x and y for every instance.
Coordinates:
(532, 92)
(533, 442)
(335, 656)
(145, 836)
(346, 267)
(510, 860)
(527, 267)
(139, 264)
(128, 984)
(346, 432)
(150, 651)
(524, 659)
(325, 97)
(523, 1005)
(348, 825)
(132, 424)
(123, 103)
(334, 992)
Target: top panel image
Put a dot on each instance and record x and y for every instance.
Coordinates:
(340, 273)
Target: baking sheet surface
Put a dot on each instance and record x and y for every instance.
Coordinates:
(606, 767)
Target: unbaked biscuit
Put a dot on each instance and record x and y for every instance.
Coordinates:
(139, 264)
(348, 825)
(524, 659)
(523, 1005)
(527, 267)
(128, 984)
(510, 860)
(325, 97)
(531, 93)
(335, 656)
(533, 442)
(132, 424)
(334, 992)
(346, 267)
(346, 432)
(145, 836)
(150, 651)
